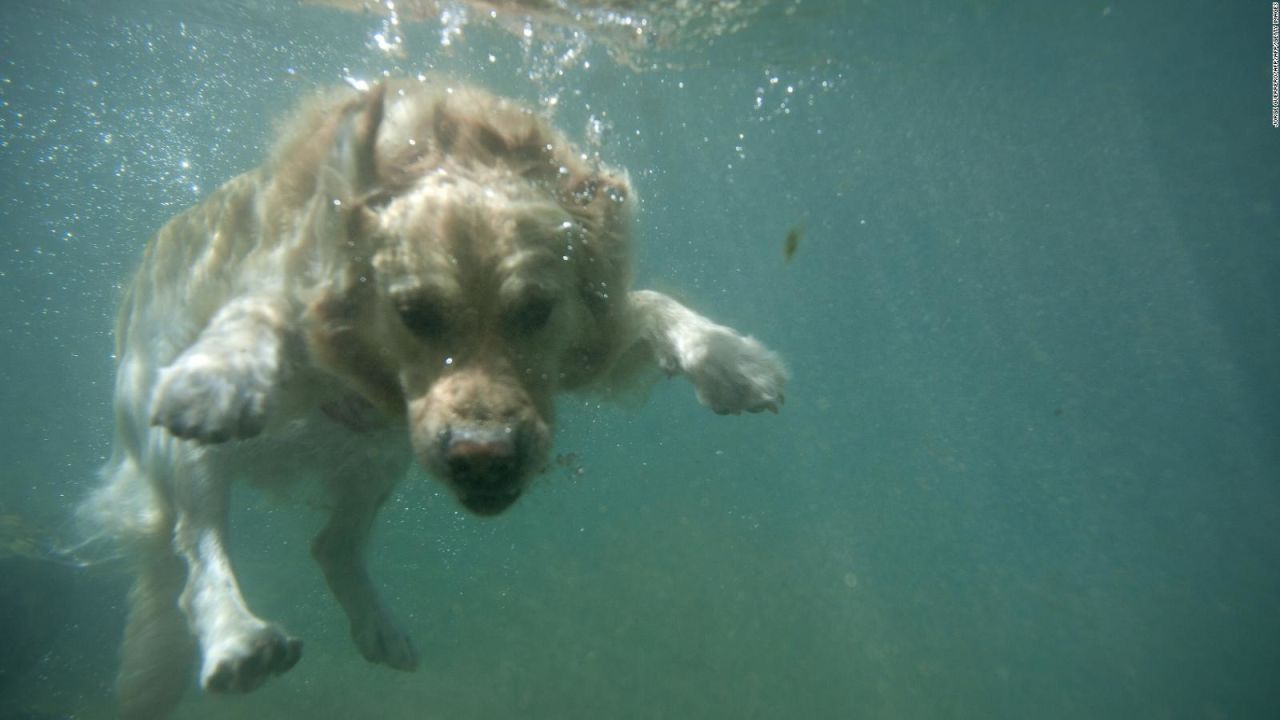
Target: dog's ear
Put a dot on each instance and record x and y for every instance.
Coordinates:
(597, 186)
(351, 173)
(602, 200)
(350, 185)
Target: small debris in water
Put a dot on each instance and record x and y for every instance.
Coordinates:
(792, 242)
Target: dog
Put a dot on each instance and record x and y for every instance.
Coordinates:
(416, 272)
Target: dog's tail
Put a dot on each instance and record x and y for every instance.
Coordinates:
(123, 510)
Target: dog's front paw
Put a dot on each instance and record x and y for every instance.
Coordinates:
(213, 398)
(381, 641)
(242, 663)
(732, 373)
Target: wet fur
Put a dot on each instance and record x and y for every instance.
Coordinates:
(416, 272)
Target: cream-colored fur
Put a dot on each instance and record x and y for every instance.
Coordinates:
(416, 272)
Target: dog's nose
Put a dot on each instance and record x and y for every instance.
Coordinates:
(481, 456)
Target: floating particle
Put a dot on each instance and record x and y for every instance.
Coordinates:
(792, 242)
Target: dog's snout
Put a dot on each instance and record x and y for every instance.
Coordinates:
(479, 431)
(484, 466)
(483, 456)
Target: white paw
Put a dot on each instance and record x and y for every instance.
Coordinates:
(381, 641)
(732, 373)
(241, 663)
(213, 398)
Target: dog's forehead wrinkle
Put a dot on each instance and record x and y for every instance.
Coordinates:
(527, 266)
(411, 255)
(407, 289)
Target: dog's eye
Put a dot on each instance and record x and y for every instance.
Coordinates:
(532, 315)
(423, 319)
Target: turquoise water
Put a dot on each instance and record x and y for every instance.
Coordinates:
(1027, 466)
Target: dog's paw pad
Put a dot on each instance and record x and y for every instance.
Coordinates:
(381, 641)
(209, 399)
(244, 665)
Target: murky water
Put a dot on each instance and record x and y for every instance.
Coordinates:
(1027, 466)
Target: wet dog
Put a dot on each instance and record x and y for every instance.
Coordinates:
(416, 272)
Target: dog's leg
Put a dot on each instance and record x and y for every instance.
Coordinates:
(731, 373)
(221, 387)
(339, 549)
(239, 650)
(156, 659)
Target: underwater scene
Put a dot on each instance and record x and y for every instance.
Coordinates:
(1019, 260)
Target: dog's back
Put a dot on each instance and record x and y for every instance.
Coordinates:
(191, 267)
(189, 270)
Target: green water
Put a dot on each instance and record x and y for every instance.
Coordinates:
(1027, 466)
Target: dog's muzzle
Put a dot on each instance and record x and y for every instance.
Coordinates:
(484, 466)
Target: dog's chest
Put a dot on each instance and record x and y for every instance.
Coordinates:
(337, 440)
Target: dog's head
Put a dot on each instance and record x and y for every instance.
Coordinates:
(468, 264)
